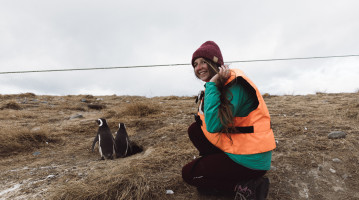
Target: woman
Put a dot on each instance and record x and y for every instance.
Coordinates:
(232, 130)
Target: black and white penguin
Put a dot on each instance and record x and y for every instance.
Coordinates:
(123, 145)
(122, 142)
(105, 140)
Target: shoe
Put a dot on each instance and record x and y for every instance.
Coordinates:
(254, 189)
(245, 190)
(262, 188)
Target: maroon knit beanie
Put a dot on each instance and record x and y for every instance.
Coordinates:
(208, 50)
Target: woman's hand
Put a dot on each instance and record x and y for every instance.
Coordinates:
(224, 73)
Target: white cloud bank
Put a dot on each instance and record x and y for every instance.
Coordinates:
(42, 34)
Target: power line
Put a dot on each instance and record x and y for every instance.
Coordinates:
(299, 58)
(84, 69)
(171, 65)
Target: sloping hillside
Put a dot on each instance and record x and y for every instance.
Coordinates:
(46, 142)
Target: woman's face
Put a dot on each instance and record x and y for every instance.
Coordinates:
(201, 69)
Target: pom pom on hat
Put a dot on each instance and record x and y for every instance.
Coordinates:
(208, 50)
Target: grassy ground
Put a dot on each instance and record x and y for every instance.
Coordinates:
(46, 142)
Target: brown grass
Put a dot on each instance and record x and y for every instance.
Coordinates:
(140, 109)
(22, 139)
(11, 105)
(27, 95)
(65, 168)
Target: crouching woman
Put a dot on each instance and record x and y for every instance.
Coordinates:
(232, 131)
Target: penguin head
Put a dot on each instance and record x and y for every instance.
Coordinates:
(121, 126)
(101, 122)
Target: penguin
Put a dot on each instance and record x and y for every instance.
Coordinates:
(122, 142)
(105, 139)
(123, 145)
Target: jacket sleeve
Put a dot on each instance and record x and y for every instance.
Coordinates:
(211, 105)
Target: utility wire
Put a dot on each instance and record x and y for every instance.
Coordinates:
(299, 58)
(169, 65)
(84, 69)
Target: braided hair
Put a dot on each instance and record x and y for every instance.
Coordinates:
(225, 108)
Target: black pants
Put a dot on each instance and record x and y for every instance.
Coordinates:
(214, 169)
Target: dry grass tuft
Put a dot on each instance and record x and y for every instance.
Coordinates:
(266, 95)
(172, 98)
(352, 112)
(20, 140)
(117, 185)
(28, 95)
(141, 109)
(11, 105)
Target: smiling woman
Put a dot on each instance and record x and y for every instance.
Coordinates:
(201, 69)
(232, 131)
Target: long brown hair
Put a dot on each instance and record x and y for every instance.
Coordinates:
(225, 108)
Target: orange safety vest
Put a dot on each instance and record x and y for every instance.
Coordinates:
(253, 133)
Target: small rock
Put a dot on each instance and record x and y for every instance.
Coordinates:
(99, 99)
(336, 135)
(273, 168)
(336, 160)
(50, 176)
(35, 129)
(332, 170)
(83, 100)
(36, 153)
(337, 188)
(77, 116)
(24, 101)
(169, 192)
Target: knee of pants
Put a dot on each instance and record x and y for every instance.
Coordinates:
(186, 173)
(192, 127)
(194, 130)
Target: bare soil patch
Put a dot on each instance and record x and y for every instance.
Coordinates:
(45, 148)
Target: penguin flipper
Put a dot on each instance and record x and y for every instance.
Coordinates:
(129, 147)
(94, 142)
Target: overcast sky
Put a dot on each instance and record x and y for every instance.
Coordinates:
(60, 34)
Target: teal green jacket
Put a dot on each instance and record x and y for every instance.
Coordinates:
(242, 104)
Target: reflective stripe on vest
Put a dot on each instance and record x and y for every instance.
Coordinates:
(252, 134)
